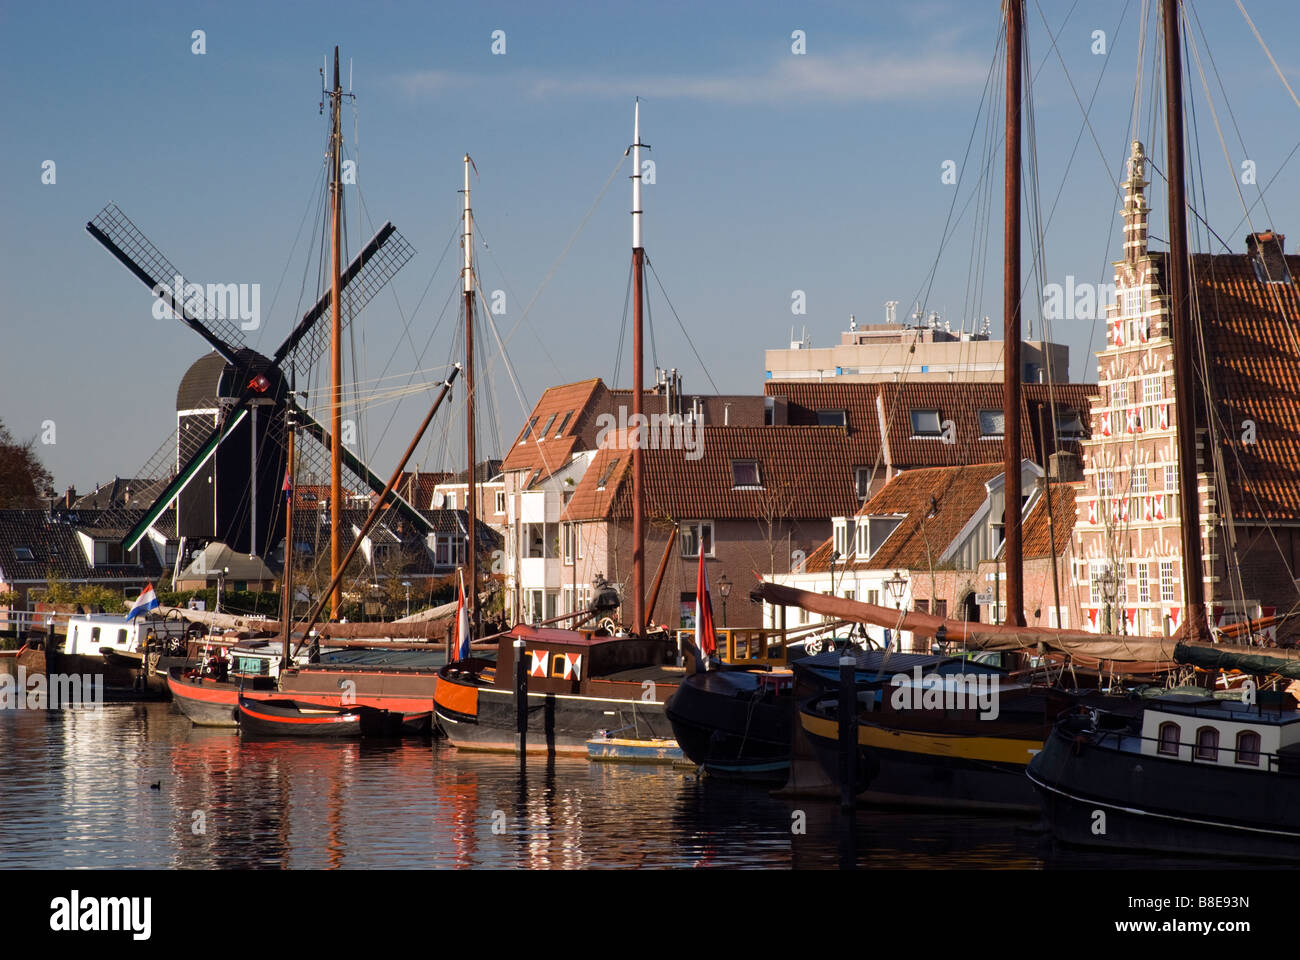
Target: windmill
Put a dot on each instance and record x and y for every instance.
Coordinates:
(227, 460)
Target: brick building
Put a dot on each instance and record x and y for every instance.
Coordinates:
(1127, 558)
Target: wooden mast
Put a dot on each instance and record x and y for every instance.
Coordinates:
(336, 344)
(1180, 321)
(471, 507)
(286, 575)
(637, 419)
(1011, 322)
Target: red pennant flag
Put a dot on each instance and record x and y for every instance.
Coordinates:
(704, 637)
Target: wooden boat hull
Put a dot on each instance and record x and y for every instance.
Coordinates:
(209, 703)
(408, 693)
(731, 729)
(122, 682)
(287, 718)
(483, 718)
(1097, 796)
(933, 770)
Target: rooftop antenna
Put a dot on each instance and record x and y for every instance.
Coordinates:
(853, 322)
(891, 311)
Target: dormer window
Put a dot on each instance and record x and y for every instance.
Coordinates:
(872, 534)
(1069, 426)
(745, 475)
(832, 418)
(992, 424)
(841, 538)
(927, 423)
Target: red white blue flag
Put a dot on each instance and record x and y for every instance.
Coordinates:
(148, 600)
(461, 649)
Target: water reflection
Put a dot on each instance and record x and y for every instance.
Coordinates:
(135, 785)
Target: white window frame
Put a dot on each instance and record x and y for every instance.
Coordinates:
(840, 543)
(696, 528)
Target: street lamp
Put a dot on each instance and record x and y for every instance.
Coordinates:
(407, 585)
(221, 575)
(724, 591)
(896, 586)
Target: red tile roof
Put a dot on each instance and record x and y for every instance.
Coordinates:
(953, 494)
(1034, 535)
(1252, 342)
(805, 472)
(958, 401)
(530, 451)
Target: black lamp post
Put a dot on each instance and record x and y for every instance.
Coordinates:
(724, 591)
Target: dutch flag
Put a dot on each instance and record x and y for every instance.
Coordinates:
(461, 651)
(148, 600)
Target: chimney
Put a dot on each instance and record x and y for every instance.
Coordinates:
(1266, 251)
(69, 498)
(1065, 467)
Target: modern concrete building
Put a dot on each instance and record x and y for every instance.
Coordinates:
(917, 352)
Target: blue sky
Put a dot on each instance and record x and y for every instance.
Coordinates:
(775, 172)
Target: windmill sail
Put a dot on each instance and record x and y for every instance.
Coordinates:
(249, 394)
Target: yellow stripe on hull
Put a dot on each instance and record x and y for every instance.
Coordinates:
(988, 749)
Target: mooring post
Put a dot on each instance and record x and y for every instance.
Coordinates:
(521, 700)
(848, 727)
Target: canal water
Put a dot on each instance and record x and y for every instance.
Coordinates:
(137, 786)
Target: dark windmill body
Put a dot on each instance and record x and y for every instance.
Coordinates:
(232, 498)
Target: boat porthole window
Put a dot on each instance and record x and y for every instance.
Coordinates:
(1207, 744)
(1248, 748)
(1169, 739)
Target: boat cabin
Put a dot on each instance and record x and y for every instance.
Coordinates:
(1260, 736)
(90, 633)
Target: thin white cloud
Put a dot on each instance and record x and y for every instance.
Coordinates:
(858, 76)
(431, 83)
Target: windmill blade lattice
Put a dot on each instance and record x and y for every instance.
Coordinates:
(147, 262)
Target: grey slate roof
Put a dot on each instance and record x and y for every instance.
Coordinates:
(56, 551)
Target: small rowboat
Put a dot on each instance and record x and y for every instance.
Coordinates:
(289, 718)
(654, 750)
